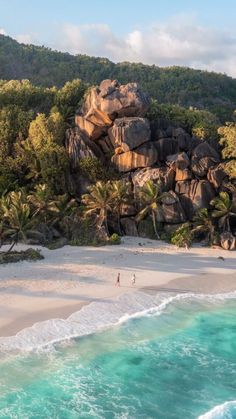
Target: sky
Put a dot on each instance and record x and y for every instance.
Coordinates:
(194, 33)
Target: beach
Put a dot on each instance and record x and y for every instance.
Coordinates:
(72, 277)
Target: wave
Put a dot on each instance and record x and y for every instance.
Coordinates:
(226, 410)
(95, 317)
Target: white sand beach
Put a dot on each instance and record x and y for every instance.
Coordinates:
(70, 277)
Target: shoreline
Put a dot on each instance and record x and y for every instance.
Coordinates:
(71, 278)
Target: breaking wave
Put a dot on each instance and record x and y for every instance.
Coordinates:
(95, 317)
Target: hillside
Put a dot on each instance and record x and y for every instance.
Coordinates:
(172, 85)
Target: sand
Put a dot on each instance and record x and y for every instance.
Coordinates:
(71, 277)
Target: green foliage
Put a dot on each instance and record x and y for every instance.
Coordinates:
(223, 210)
(13, 257)
(93, 169)
(201, 123)
(228, 141)
(69, 97)
(114, 239)
(150, 196)
(183, 236)
(204, 225)
(171, 85)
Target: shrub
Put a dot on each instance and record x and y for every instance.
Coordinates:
(182, 237)
(114, 239)
(13, 257)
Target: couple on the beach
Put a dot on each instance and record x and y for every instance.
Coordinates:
(118, 280)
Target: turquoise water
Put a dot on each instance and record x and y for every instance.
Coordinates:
(176, 364)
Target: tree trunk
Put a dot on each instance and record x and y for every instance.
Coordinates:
(154, 225)
(11, 247)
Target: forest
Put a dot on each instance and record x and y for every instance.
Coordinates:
(172, 85)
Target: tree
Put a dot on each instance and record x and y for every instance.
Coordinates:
(151, 197)
(46, 152)
(99, 201)
(121, 194)
(204, 224)
(223, 210)
(18, 217)
(69, 96)
(228, 141)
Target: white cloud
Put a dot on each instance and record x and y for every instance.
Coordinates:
(179, 41)
(2, 31)
(25, 38)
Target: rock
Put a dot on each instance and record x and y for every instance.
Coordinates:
(217, 176)
(129, 226)
(146, 230)
(77, 184)
(194, 195)
(129, 133)
(201, 167)
(127, 210)
(165, 147)
(203, 158)
(160, 128)
(228, 241)
(201, 193)
(183, 139)
(165, 175)
(184, 174)
(93, 131)
(180, 160)
(143, 156)
(115, 101)
(172, 209)
(79, 146)
(105, 145)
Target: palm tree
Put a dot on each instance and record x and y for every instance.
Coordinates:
(121, 194)
(223, 210)
(203, 223)
(41, 201)
(151, 197)
(99, 201)
(18, 218)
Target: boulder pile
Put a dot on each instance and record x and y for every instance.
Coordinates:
(111, 126)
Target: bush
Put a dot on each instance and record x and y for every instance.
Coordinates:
(182, 237)
(114, 239)
(13, 257)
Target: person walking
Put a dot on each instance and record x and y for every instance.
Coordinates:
(118, 280)
(133, 279)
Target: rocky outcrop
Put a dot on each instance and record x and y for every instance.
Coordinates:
(172, 209)
(203, 158)
(112, 127)
(217, 176)
(78, 146)
(113, 100)
(129, 133)
(164, 175)
(228, 241)
(143, 156)
(129, 226)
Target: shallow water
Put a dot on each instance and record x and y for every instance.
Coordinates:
(178, 362)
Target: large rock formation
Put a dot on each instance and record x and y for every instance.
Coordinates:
(129, 133)
(111, 126)
(164, 175)
(143, 156)
(115, 101)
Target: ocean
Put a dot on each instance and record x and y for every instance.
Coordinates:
(140, 356)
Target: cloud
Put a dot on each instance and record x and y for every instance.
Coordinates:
(24, 38)
(2, 31)
(179, 41)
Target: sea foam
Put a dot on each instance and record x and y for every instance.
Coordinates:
(97, 316)
(226, 410)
